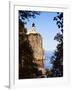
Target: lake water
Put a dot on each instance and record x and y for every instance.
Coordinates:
(47, 61)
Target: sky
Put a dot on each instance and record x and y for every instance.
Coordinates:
(46, 27)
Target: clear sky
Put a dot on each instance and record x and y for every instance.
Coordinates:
(46, 27)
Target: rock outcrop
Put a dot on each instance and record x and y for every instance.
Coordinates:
(35, 40)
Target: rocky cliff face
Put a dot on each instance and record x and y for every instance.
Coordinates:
(35, 41)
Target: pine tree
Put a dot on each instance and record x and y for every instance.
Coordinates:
(57, 59)
(27, 68)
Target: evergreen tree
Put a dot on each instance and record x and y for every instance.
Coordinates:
(57, 59)
(26, 15)
(27, 68)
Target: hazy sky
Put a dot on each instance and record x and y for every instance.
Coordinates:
(46, 27)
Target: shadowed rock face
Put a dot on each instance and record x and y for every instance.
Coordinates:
(35, 41)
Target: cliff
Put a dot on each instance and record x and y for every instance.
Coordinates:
(35, 41)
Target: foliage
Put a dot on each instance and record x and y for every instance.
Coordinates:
(26, 15)
(57, 59)
(27, 68)
(48, 73)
